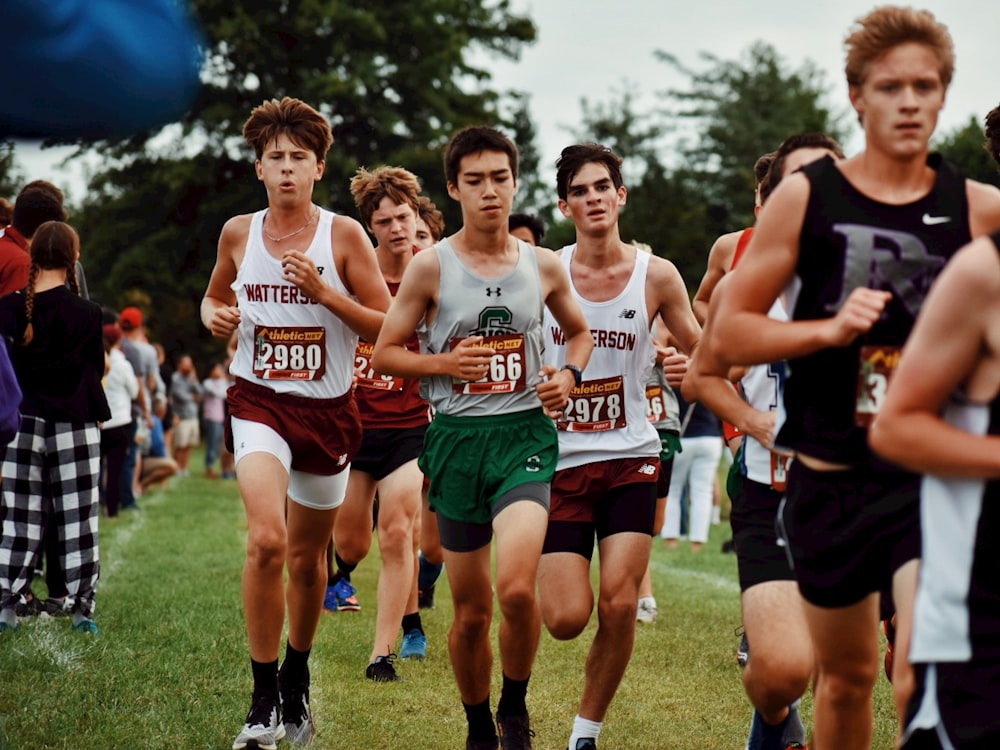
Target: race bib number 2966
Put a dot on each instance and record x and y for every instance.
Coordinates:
(289, 352)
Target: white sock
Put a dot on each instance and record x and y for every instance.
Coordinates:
(9, 616)
(716, 515)
(648, 600)
(584, 728)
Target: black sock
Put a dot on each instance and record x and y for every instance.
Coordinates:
(344, 569)
(296, 665)
(412, 622)
(265, 677)
(512, 697)
(773, 735)
(480, 719)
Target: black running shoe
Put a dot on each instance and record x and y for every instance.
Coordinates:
(515, 732)
(473, 744)
(383, 669)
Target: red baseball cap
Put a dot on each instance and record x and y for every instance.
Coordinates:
(130, 318)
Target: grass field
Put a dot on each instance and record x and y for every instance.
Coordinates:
(170, 669)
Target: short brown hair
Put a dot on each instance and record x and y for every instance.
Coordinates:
(292, 117)
(432, 217)
(992, 133)
(776, 172)
(473, 140)
(38, 202)
(572, 159)
(395, 183)
(890, 26)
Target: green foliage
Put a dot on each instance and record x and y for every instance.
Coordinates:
(689, 166)
(964, 147)
(11, 178)
(394, 85)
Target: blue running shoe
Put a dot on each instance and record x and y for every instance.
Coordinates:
(341, 597)
(414, 645)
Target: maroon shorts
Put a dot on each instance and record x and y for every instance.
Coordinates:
(576, 491)
(324, 434)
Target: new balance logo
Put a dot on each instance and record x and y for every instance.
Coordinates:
(647, 469)
(932, 220)
(490, 291)
(627, 314)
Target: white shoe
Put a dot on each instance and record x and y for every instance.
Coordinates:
(646, 613)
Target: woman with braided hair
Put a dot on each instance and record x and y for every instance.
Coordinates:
(52, 467)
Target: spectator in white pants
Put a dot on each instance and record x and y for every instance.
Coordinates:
(695, 468)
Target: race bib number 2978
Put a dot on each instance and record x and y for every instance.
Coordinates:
(289, 352)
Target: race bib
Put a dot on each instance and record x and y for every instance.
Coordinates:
(656, 403)
(289, 352)
(875, 369)
(367, 376)
(595, 406)
(779, 471)
(506, 371)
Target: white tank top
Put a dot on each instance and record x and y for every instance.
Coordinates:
(606, 417)
(762, 388)
(288, 342)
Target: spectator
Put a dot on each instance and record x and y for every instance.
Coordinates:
(59, 360)
(121, 387)
(156, 466)
(214, 388)
(142, 357)
(38, 202)
(185, 395)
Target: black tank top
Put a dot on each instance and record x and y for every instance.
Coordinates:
(850, 240)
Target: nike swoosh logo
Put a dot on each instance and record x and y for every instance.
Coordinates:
(931, 220)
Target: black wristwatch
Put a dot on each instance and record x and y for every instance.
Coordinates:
(577, 373)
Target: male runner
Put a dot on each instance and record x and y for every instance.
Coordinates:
(476, 300)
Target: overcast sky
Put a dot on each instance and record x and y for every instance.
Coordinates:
(592, 48)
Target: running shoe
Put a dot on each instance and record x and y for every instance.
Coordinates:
(86, 625)
(296, 715)
(425, 597)
(586, 743)
(55, 607)
(743, 650)
(383, 669)
(414, 645)
(263, 727)
(341, 597)
(647, 613)
(515, 732)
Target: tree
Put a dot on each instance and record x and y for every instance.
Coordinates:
(964, 147)
(738, 110)
(10, 175)
(394, 85)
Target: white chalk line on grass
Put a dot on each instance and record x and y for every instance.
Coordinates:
(716, 581)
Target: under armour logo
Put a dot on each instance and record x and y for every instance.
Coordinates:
(490, 291)
(320, 269)
(627, 314)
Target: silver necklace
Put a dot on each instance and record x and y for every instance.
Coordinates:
(312, 216)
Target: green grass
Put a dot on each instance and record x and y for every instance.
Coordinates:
(170, 666)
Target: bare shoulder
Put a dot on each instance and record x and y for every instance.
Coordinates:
(724, 247)
(984, 207)
(662, 271)
(236, 229)
(346, 229)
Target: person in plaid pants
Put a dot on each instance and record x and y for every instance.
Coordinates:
(51, 469)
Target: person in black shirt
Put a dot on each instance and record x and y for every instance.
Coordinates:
(52, 467)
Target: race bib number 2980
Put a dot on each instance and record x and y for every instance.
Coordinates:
(289, 352)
